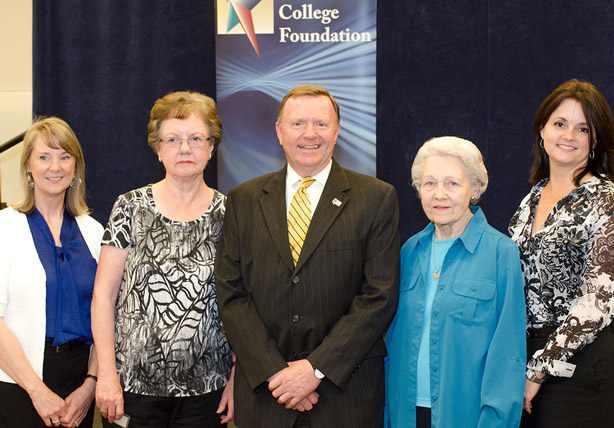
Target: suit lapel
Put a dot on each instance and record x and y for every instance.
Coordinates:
(273, 205)
(332, 202)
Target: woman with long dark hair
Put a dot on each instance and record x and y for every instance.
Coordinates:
(564, 229)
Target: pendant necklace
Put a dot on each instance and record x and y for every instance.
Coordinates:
(436, 274)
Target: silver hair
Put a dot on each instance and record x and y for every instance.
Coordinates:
(465, 150)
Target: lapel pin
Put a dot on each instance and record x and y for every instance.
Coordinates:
(336, 202)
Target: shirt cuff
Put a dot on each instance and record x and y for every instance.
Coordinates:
(319, 374)
(552, 367)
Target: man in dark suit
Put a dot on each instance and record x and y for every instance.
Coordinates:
(305, 315)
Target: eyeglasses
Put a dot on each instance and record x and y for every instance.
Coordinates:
(194, 140)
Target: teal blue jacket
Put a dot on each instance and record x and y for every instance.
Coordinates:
(477, 332)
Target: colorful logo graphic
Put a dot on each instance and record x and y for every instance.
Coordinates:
(245, 16)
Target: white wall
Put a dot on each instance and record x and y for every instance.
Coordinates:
(15, 89)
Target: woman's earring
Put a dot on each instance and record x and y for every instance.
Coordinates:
(75, 180)
(30, 181)
(159, 158)
(592, 154)
(541, 143)
(210, 153)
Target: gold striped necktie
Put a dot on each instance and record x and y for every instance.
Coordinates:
(299, 218)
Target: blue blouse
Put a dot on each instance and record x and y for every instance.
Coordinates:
(477, 332)
(70, 271)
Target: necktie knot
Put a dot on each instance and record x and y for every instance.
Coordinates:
(306, 182)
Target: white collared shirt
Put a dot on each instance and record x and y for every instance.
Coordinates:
(293, 182)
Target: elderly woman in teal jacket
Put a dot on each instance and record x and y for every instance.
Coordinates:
(457, 343)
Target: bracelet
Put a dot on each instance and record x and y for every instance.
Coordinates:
(532, 377)
(92, 377)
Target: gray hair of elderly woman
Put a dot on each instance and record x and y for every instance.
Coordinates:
(465, 150)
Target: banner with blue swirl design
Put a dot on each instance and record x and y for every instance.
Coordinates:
(264, 48)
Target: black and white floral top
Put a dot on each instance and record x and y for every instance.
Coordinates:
(568, 267)
(169, 337)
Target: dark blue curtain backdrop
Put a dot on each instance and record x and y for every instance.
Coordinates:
(101, 65)
(476, 69)
(480, 70)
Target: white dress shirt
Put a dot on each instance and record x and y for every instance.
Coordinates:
(293, 182)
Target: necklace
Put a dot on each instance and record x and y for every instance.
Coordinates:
(436, 274)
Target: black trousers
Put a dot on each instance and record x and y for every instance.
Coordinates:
(302, 421)
(171, 412)
(584, 400)
(63, 372)
(423, 417)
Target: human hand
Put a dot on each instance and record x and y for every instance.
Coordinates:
(227, 402)
(294, 383)
(530, 391)
(49, 406)
(307, 403)
(78, 403)
(110, 397)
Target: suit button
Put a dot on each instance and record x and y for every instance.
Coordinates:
(295, 280)
(295, 318)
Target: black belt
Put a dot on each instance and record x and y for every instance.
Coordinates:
(545, 332)
(68, 346)
(540, 332)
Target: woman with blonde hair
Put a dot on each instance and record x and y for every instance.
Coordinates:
(49, 248)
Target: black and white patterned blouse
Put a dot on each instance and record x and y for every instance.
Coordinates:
(568, 267)
(169, 338)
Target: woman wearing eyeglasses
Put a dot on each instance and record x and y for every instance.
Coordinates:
(163, 356)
